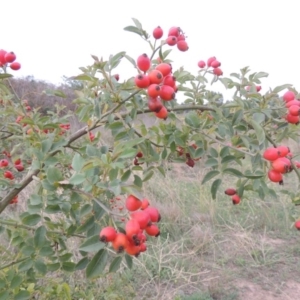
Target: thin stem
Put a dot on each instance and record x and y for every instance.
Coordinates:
(16, 225)
(14, 263)
(221, 143)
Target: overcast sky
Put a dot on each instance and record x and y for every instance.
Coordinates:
(55, 38)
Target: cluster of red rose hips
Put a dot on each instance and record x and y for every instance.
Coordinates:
(142, 221)
(293, 106)
(6, 163)
(159, 82)
(280, 162)
(175, 37)
(136, 159)
(189, 161)
(9, 58)
(236, 199)
(213, 63)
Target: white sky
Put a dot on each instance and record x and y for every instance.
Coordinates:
(55, 38)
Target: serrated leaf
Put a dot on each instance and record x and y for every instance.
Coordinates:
(53, 267)
(214, 187)
(259, 117)
(77, 162)
(84, 77)
(56, 93)
(128, 153)
(253, 176)
(54, 175)
(82, 263)
(115, 264)
(40, 266)
(25, 265)
(237, 117)
(77, 179)
(22, 295)
(68, 266)
(281, 88)
(148, 175)
(128, 261)
(92, 244)
(126, 175)
(228, 159)
(133, 29)
(138, 181)
(4, 295)
(208, 176)
(46, 145)
(234, 172)
(16, 281)
(5, 75)
(31, 220)
(259, 131)
(211, 162)
(192, 119)
(39, 238)
(97, 265)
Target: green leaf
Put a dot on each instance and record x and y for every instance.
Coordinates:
(46, 251)
(46, 145)
(77, 179)
(77, 162)
(138, 181)
(68, 266)
(92, 244)
(16, 281)
(208, 176)
(53, 267)
(228, 159)
(25, 265)
(214, 187)
(5, 75)
(282, 87)
(22, 295)
(40, 266)
(237, 117)
(40, 237)
(128, 153)
(211, 162)
(115, 264)
(133, 29)
(97, 264)
(148, 175)
(128, 261)
(253, 176)
(4, 295)
(234, 172)
(84, 77)
(192, 119)
(31, 220)
(27, 250)
(57, 93)
(82, 264)
(259, 131)
(259, 117)
(54, 175)
(137, 23)
(126, 175)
